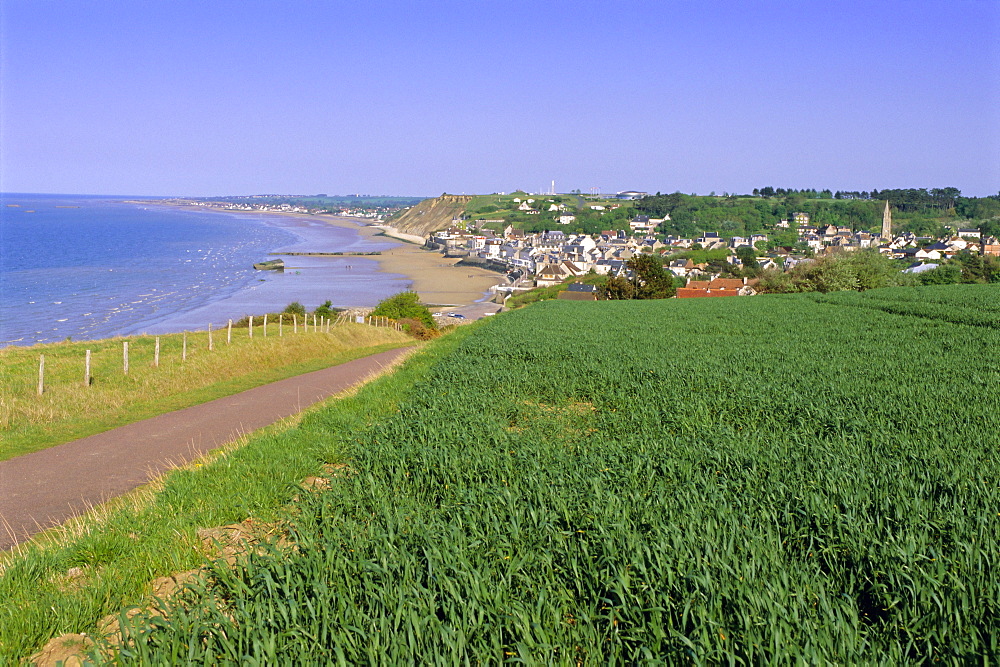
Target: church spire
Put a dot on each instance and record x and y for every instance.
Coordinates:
(887, 223)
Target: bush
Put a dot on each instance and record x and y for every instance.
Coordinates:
(326, 310)
(295, 308)
(405, 306)
(418, 329)
(860, 270)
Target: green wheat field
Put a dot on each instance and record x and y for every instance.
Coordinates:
(786, 479)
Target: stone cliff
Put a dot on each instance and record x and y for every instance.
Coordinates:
(431, 214)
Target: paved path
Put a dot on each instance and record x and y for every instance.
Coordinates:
(43, 489)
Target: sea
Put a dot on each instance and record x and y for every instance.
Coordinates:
(84, 267)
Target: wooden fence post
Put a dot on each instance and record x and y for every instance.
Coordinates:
(156, 353)
(125, 357)
(41, 374)
(184, 349)
(229, 332)
(210, 346)
(86, 370)
(251, 326)
(281, 325)
(295, 323)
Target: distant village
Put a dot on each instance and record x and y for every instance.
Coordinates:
(369, 212)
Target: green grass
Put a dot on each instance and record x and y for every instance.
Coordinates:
(68, 409)
(741, 481)
(124, 545)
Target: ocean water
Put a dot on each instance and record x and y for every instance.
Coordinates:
(85, 267)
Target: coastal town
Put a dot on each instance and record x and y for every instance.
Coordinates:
(550, 257)
(548, 239)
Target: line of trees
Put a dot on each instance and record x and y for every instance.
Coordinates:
(921, 211)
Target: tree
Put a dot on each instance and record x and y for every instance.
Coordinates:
(946, 274)
(649, 279)
(748, 258)
(872, 269)
(617, 288)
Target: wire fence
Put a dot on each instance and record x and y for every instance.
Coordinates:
(280, 324)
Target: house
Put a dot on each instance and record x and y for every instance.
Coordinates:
(610, 267)
(555, 273)
(792, 262)
(969, 233)
(905, 253)
(991, 246)
(716, 287)
(813, 241)
(566, 218)
(579, 292)
(680, 267)
(550, 274)
(642, 223)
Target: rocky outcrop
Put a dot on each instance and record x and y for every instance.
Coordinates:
(430, 215)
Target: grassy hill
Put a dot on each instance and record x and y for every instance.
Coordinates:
(775, 479)
(495, 212)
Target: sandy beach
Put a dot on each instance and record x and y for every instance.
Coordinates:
(346, 280)
(435, 278)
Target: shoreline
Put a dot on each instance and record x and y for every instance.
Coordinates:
(428, 273)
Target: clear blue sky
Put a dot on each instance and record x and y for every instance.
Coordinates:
(211, 97)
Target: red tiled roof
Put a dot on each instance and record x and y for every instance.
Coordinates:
(726, 283)
(695, 292)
